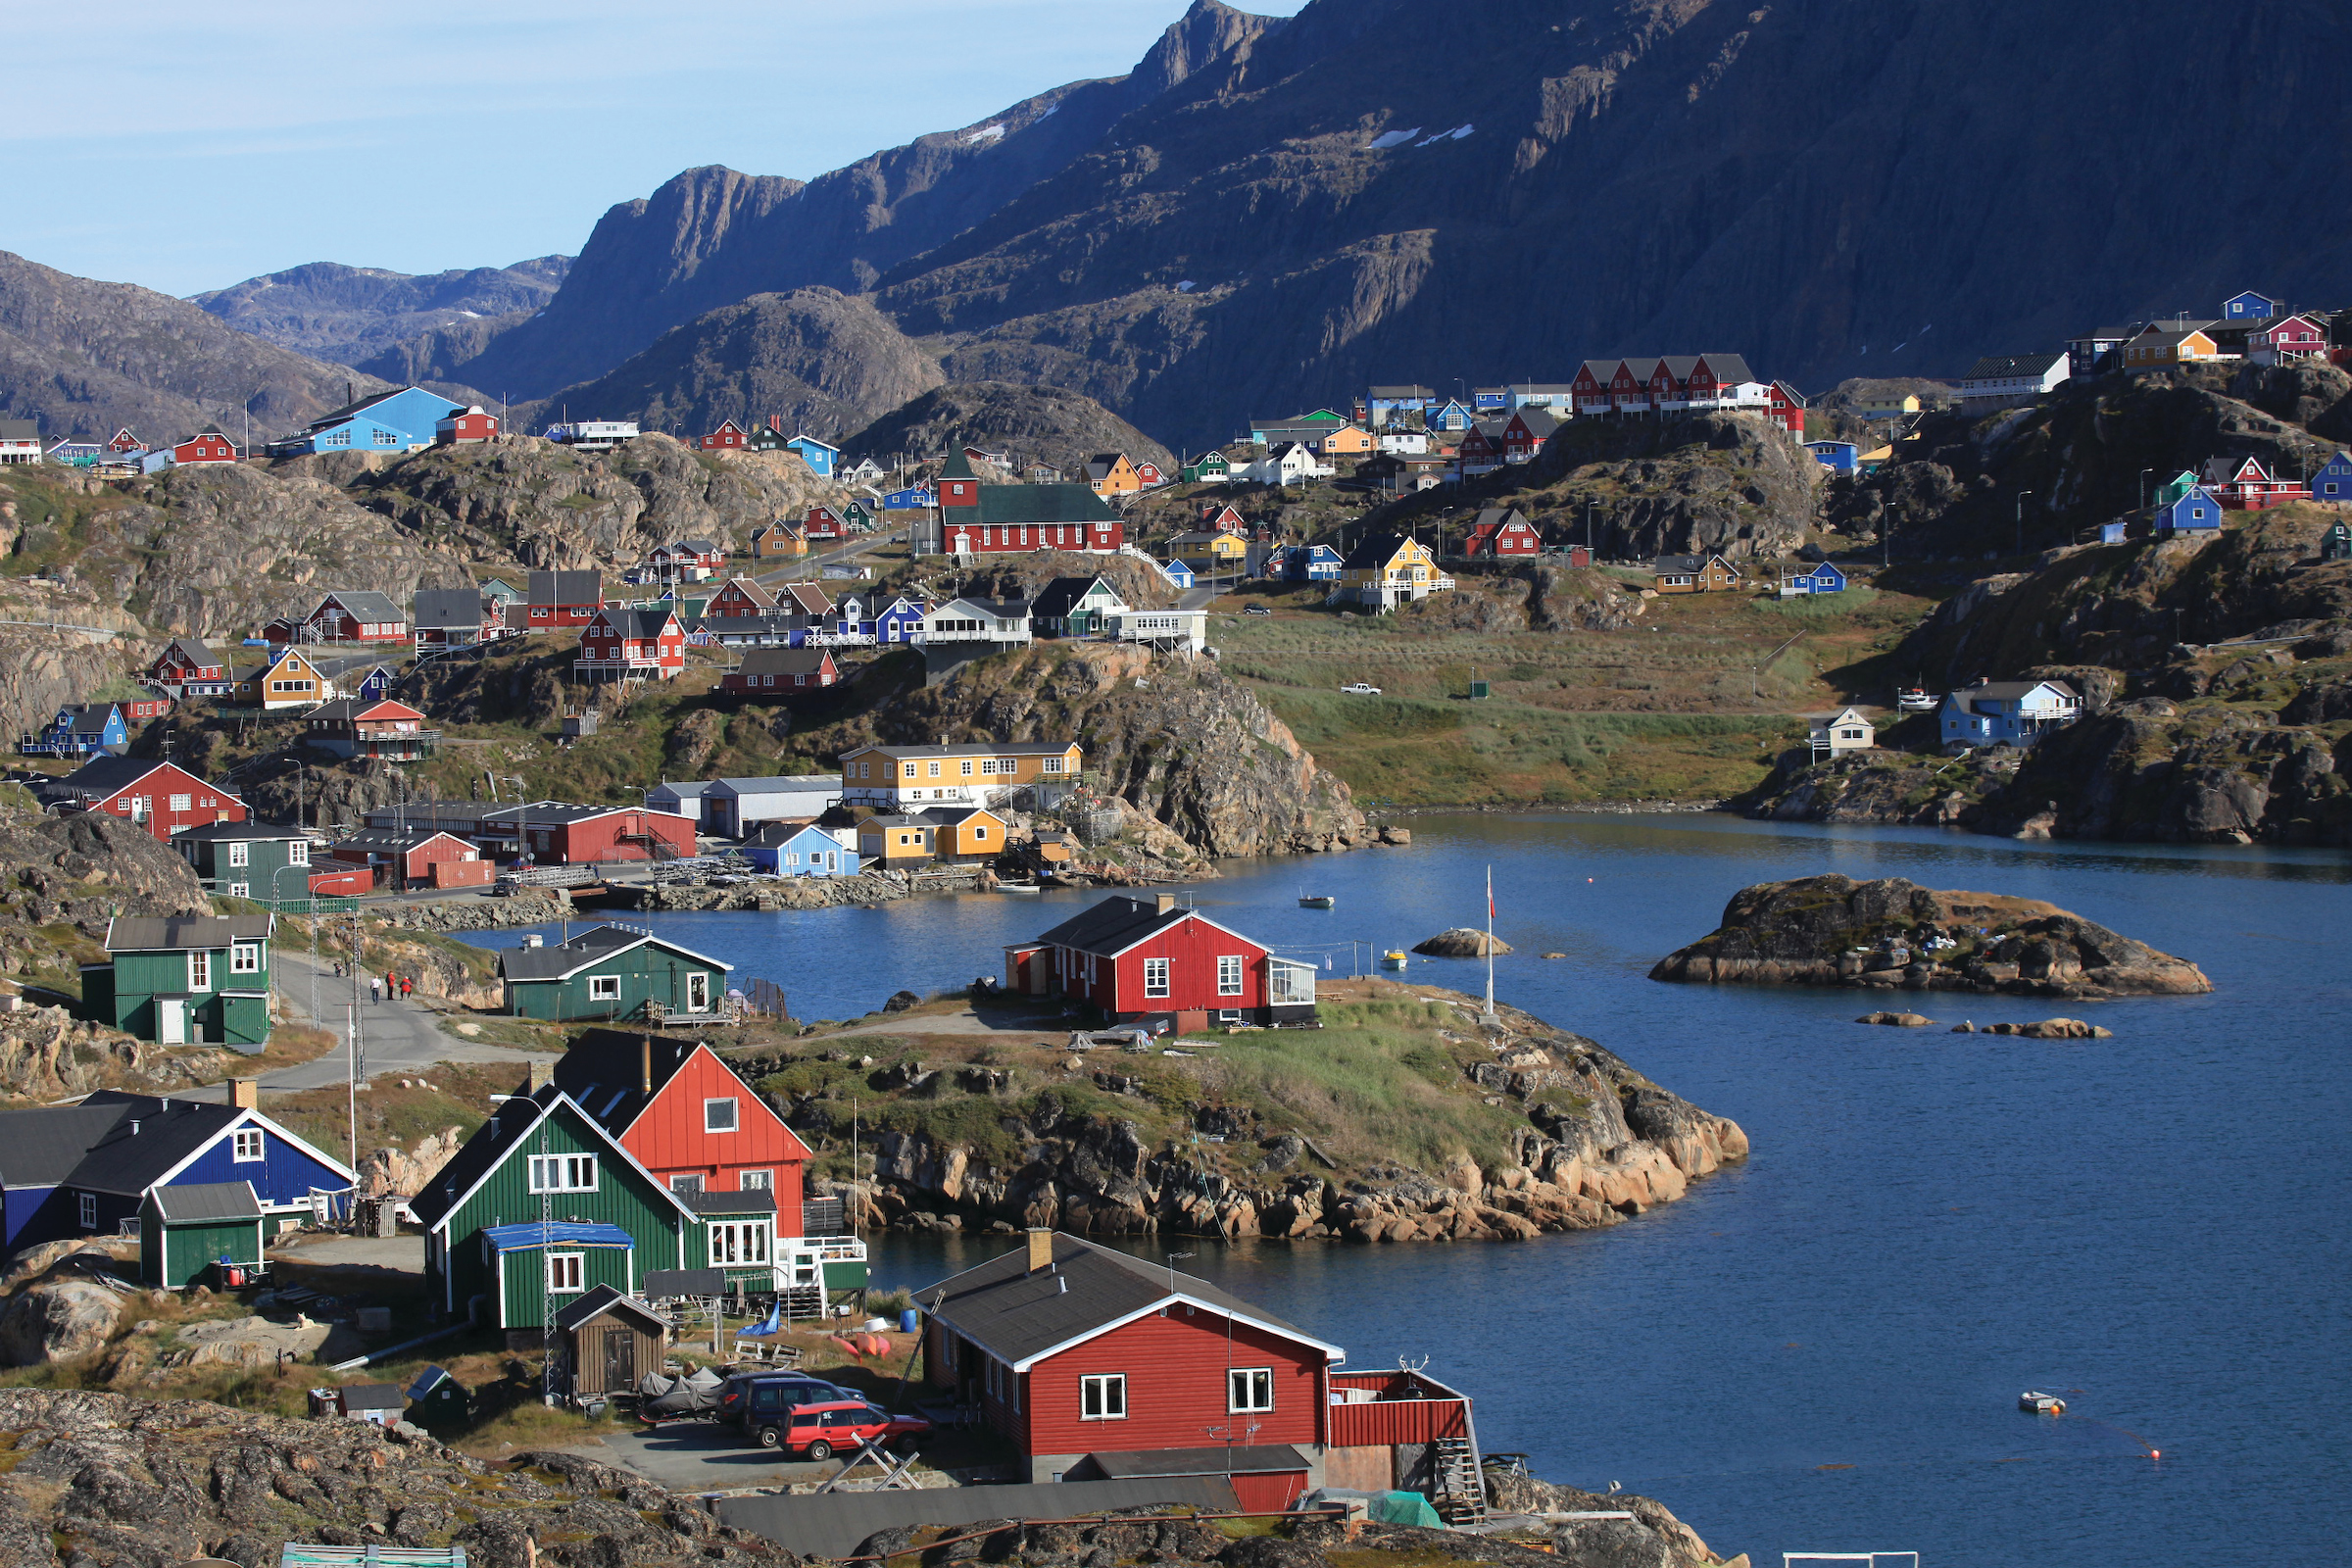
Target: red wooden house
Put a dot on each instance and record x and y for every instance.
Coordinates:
(1525, 434)
(728, 437)
(1147, 959)
(2244, 484)
(188, 668)
(691, 559)
(205, 446)
(1149, 473)
(774, 671)
(1787, 407)
(414, 858)
(1098, 1365)
(739, 598)
(465, 427)
(687, 1119)
(123, 441)
(1480, 450)
(564, 599)
(638, 642)
(347, 616)
(1590, 391)
(822, 524)
(381, 730)
(158, 795)
(2293, 337)
(1502, 533)
(1222, 519)
(146, 705)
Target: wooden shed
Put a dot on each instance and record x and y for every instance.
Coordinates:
(613, 1341)
(184, 1230)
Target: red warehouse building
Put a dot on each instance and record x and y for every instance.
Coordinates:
(159, 797)
(1146, 961)
(557, 833)
(401, 860)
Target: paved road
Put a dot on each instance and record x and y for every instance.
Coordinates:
(798, 570)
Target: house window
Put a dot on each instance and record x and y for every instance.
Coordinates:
(200, 971)
(1053, 765)
(563, 1271)
(89, 1212)
(686, 1186)
(1155, 977)
(739, 1242)
(240, 855)
(756, 1181)
(698, 993)
(1249, 1388)
(718, 1116)
(562, 1173)
(245, 958)
(934, 770)
(1103, 1399)
(603, 988)
(245, 1145)
(240, 889)
(1229, 975)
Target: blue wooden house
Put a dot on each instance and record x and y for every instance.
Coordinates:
(1490, 399)
(914, 498)
(1452, 414)
(2194, 513)
(82, 730)
(821, 459)
(2007, 713)
(1306, 564)
(1838, 457)
(2251, 307)
(1823, 578)
(1176, 571)
(2333, 481)
(900, 623)
(785, 849)
(83, 1170)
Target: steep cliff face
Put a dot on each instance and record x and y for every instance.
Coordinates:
(712, 238)
(1033, 423)
(816, 359)
(1179, 741)
(346, 313)
(76, 355)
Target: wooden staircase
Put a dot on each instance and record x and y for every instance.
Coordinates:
(1460, 1484)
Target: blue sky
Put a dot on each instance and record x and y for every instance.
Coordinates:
(185, 148)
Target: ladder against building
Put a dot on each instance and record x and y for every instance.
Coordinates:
(1462, 1488)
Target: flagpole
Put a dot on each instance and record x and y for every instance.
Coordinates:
(1490, 1016)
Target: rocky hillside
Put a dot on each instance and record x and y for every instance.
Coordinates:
(1726, 483)
(819, 360)
(106, 1479)
(1832, 930)
(80, 355)
(1030, 424)
(1177, 740)
(347, 313)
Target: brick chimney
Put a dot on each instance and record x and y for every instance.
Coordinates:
(543, 1073)
(245, 1092)
(1164, 903)
(1041, 1249)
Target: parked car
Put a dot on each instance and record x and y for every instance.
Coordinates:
(748, 1397)
(820, 1431)
(1255, 609)
(1360, 689)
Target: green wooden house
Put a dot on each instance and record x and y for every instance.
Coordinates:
(2173, 489)
(2336, 544)
(183, 1231)
(614, 971)
(1075, 606)
(185, 979)
(248, 859)
(1207, 466)
(540, 1206)
(858, 515)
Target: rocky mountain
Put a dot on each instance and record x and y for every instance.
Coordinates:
(1032, 424)
(348, 314)
(80, 355)
(819, 360)
(713, 237)
(1306, 208)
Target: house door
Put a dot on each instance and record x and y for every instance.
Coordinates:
(698, 993)
(620, 1361)
(171, 1020)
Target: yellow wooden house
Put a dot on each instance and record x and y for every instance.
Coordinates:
(288, 680)
(1213, 551)
(1348, 441)
(1113, 474)
(1387, 569)
(2158, 349)
(779, 541)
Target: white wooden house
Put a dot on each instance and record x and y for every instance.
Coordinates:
(1849, 730)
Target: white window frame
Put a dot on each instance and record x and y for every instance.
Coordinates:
(697, 992)
(756, 1181)
(241, 854)
(1233, 975)
(1155, 987)
(1099, 1394)
(298, 853)
(89, 1211)
(603, 988)
(561, 1173)
(566, 1273)
(246, 1145)
(740, 1243)
(200, 970)
(240, 889)
(245, 958)
(1248, 1390)
(734, 1115)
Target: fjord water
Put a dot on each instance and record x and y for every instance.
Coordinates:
(1822, 1350)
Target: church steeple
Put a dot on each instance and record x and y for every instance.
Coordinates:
(958, 486)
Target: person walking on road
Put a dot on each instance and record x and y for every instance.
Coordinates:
(375, 989)
(407, 986)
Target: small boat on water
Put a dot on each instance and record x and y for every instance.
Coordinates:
(2035, 1403)
(1913, 699)
(1317, 900)
(1019, 887)
(1394, 958)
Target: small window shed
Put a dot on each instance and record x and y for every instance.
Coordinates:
(184, 1230)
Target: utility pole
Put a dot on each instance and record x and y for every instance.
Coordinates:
(2020, 521)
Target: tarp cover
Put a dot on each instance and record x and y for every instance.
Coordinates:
(1404, 1509)
(834, 1523)
(509, 1238)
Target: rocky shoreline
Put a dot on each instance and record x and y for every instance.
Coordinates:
(1896, 935)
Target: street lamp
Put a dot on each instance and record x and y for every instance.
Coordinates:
(2143, 488)
(2020, 521)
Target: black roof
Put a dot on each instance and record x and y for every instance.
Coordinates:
(614, 1073)
(1015, 1314)
(604, 1298)
(479, 1154)
(372, 1396)
(754, 1200)
(208, 1201)
(566, 587)
(182, 933)
(1114, 925)
(784, 661)
(448, 607)
(554, 961)
(150, 1135)
(1373, 550)
(41, 1145)
(2001, 365)
(102, 777)
(1692, 564)
(1056, 598)
(238, 832)
(642, 621)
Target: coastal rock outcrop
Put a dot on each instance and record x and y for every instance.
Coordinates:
(1462, 941)
(1894, 934)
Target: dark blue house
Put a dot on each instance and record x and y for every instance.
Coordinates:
(374, 687)
(83, 1170)
(2194, 513)
(83, 730)
(1310, 563)
(900, 623)
(914, 498)
(1838, 457)
(1824, 578)
(2333, 483)
(2250, 306)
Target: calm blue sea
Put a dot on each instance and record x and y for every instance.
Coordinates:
(1821, 1350)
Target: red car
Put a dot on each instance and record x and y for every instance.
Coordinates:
(819, 1431)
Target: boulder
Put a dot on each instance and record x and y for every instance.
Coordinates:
(1461, 942)
(900, 1001)
(2045, 1029)
(1897, 1020)
(57, 1320)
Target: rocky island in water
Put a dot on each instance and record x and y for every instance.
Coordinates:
(1893, 934)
